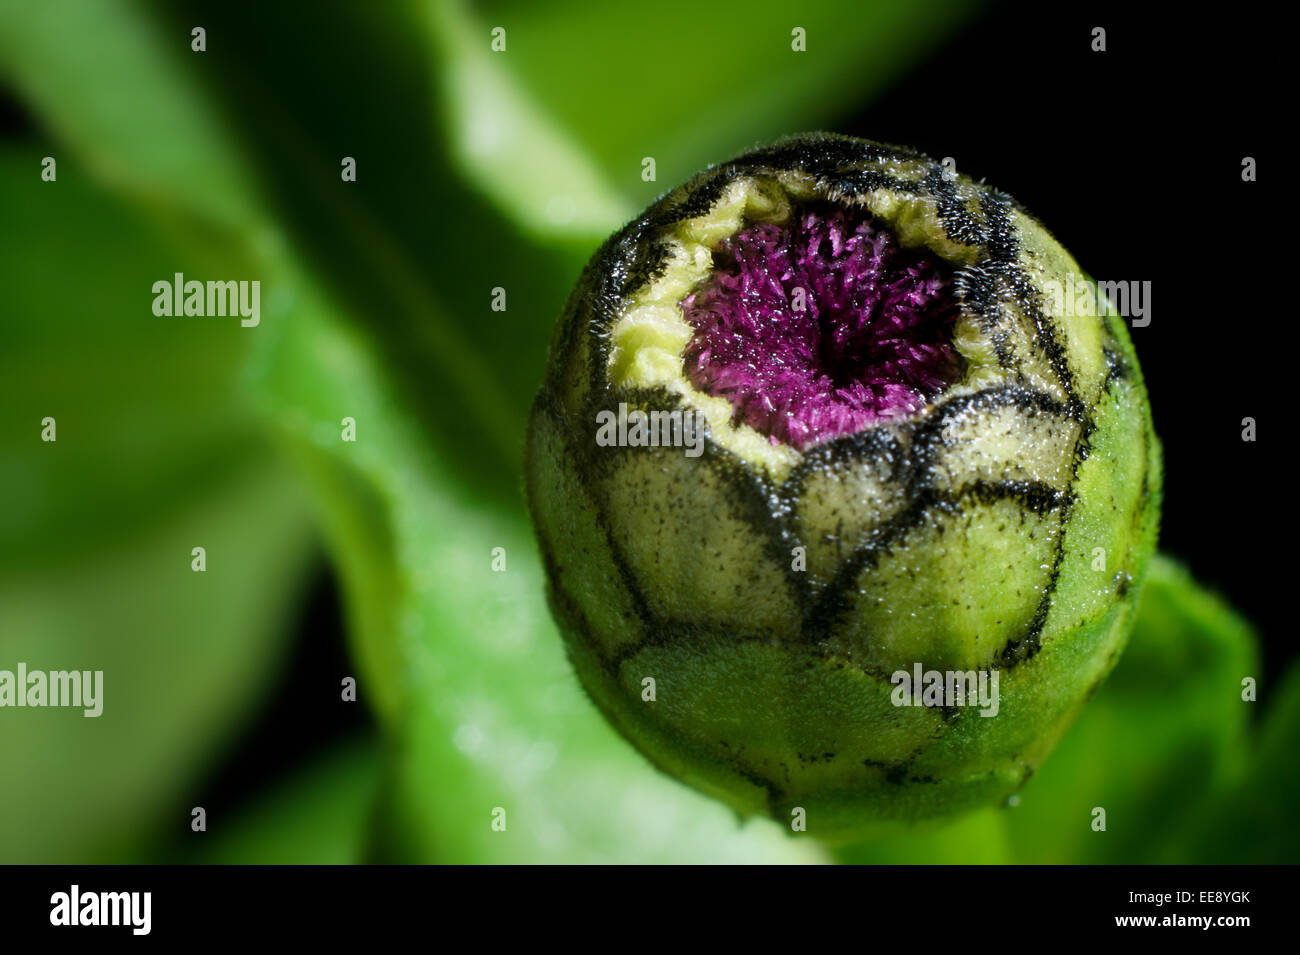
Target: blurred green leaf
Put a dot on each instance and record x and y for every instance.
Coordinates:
(561, 150)
(112, 85)
(1166, 729)
(155, 455)
(489, 713)
(978, 838)
(1253, 822)
(320, 814)
(187, 659)
(91, 354)
(406, 251)
(504, 144)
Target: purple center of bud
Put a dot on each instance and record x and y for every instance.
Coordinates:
(821, 326)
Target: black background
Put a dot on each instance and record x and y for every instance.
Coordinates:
(1132, 158)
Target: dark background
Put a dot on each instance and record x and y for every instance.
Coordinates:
(1132, 158)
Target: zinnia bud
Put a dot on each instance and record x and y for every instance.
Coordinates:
(904, 544)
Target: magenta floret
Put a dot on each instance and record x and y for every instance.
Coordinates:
(872, 341)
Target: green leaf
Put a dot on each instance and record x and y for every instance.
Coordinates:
(143, 404)
(481, 701)
(978, 838)
(1166, 729)
(186, 659)
(405, 250)
(155, 455)
(530, 167)
(125, 95)
(320, 814)
(555, 127)
(1253, 823)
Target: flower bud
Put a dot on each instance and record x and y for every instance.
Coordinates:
(845, 482)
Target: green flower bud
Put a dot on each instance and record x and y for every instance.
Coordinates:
(905, 541)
